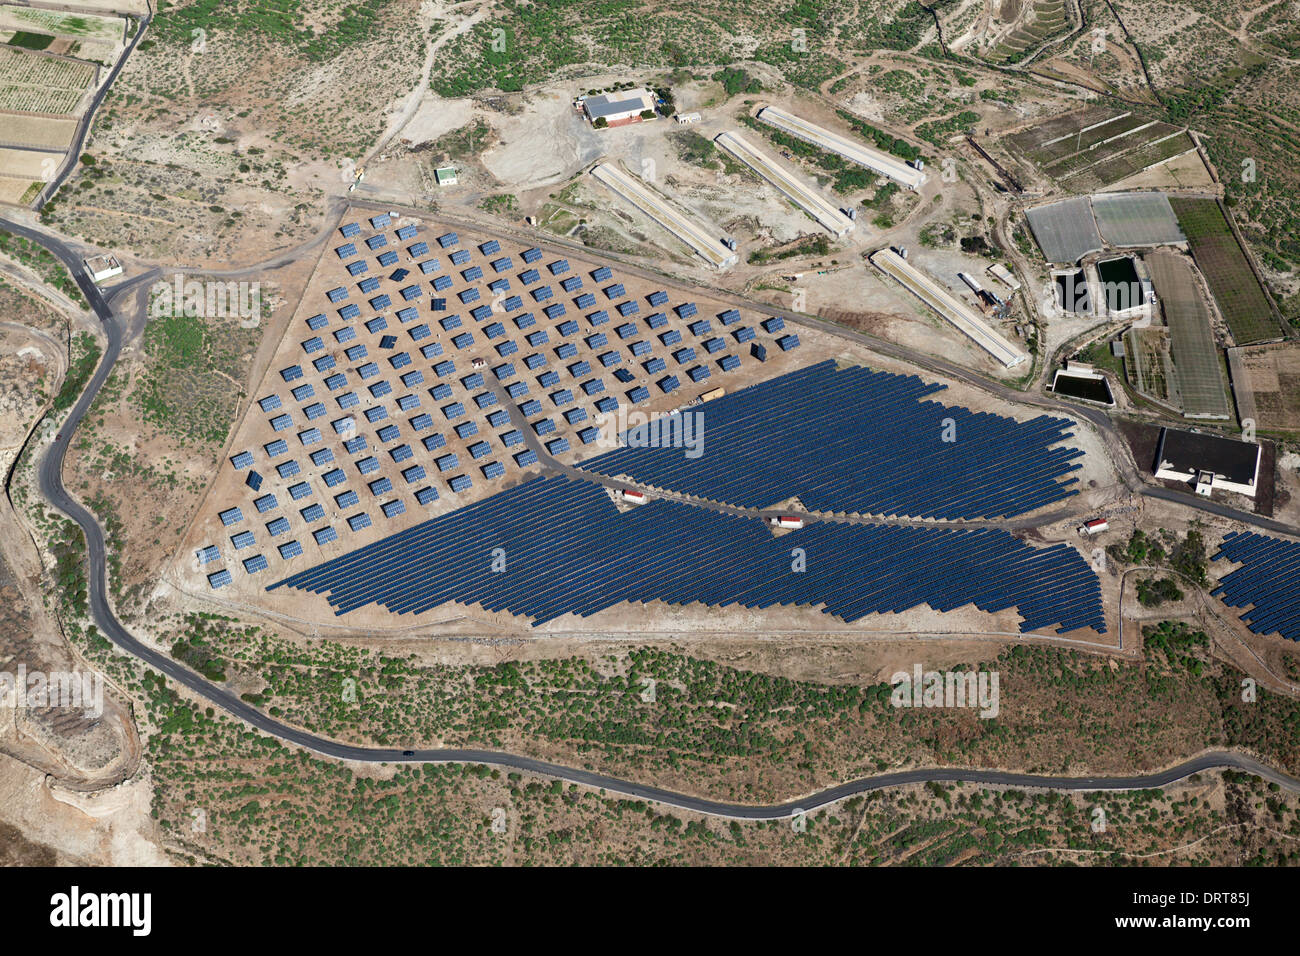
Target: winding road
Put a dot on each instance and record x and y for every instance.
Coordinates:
(51, 487)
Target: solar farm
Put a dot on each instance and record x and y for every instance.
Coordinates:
(426, 368)
(570, 552)
(432, 382)
(899, 465)
(1266, 585)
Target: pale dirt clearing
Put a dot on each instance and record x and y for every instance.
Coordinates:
(113, 828)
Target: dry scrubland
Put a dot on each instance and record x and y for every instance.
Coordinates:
(147, 449)
(713, 729)
(217, 146)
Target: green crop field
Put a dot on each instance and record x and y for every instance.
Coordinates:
(1243, 303)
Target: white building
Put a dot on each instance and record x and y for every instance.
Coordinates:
(100, 268)
(619, 109)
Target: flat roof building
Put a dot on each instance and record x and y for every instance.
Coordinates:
(100, 268)
(619, 109)
(1208, 461)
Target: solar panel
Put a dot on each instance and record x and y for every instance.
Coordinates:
(583, 556)
(325, 535)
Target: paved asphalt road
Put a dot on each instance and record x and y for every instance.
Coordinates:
(51, 485)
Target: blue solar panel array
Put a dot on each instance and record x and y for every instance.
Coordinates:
(861, 441)
(1267, 584)
(570, 551)
(360, 355)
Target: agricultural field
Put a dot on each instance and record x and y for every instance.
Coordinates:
(1196, 357)
(1039, 21)
(32, 82)
(1149, 365)
(1220, 259)
(1093, 149)
(1266, 380)
(52, 23)
(18, 191)
(38, 132)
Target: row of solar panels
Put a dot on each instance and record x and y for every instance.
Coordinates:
(1267, 585)
(855, 440)
(569, 551)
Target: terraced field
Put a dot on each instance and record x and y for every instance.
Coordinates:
(1047, 19)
